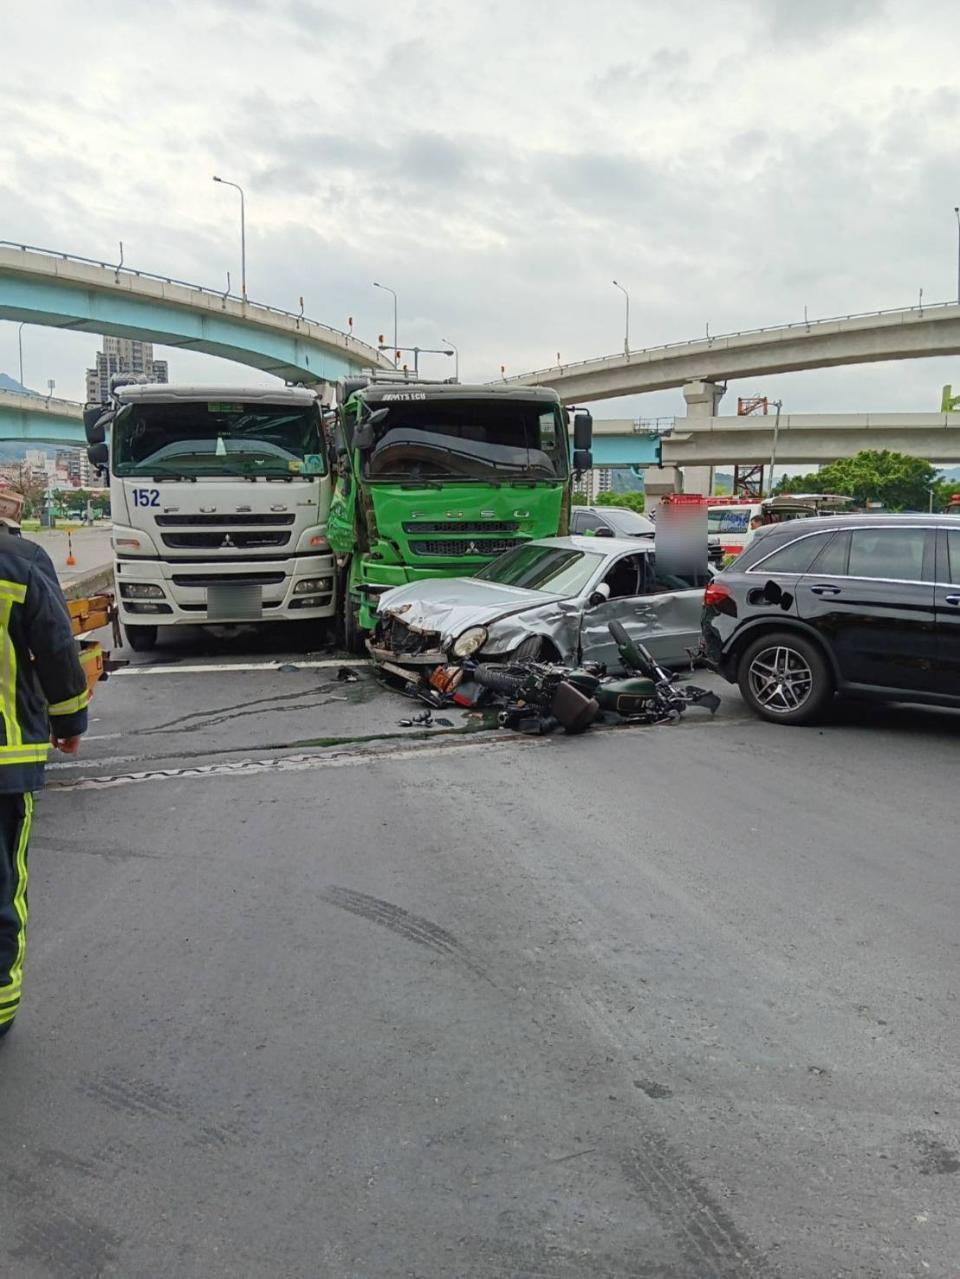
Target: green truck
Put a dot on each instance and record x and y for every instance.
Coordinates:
(437, 479)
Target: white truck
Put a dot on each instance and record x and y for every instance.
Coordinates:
(219, 499)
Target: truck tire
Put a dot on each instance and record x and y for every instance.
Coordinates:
(354, 636)
(141, 638)
(785, 678)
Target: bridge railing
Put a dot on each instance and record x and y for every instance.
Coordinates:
(710, 338)
(121, 269)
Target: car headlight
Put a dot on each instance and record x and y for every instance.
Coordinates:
(470, 641)
(140, 591)
(310, 585)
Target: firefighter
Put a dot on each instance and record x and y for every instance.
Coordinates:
(43, 702)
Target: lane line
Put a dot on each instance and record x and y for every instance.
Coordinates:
(240, 666)
(292, 764)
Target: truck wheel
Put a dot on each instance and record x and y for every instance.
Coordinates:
(353, 635)
(141, 638)
(785, 678)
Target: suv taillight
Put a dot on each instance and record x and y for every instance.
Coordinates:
(714, 595)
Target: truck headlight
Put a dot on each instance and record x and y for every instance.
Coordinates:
(140, 591)
(312, 585)
(470, 642)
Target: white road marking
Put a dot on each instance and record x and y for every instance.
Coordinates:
(214, 668)
(291, 763)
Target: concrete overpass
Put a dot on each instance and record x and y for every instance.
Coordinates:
(35, 420)
(911, 333)
(67, 292)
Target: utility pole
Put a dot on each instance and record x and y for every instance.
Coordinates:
(626, 327)
(243, 234)
(778, 405)
(456, 352)
(20, 345)
(956, 210)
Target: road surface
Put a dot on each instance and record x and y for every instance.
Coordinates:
(309, 994)
(91, 549)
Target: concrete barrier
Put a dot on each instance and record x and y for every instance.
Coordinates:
(92, 582)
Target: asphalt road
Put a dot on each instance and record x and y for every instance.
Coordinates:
(312, 995)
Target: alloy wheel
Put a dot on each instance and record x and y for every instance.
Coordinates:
(780, 679)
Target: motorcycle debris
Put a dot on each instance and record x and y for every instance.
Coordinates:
(347, 675)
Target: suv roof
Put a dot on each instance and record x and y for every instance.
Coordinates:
(765, 538)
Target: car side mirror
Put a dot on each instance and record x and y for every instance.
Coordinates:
(363, 437)
(94, 423)
(603, 531)
(599, 595)
(98, 454)
(582, 460)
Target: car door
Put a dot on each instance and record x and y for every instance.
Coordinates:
(659, 611)
(587, 524)
(870, 594)
(947, 603)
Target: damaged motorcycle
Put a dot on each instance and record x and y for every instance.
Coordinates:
(539, 697)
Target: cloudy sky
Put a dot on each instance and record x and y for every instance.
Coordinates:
(498, 163)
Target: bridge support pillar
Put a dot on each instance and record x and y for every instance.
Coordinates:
(703, 399)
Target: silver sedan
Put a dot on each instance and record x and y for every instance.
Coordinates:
(548, 600)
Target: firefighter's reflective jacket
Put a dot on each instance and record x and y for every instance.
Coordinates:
(43, 689)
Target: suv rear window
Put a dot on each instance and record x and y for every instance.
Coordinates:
(796, 557)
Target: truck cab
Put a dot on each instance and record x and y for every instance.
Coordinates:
(438, 479)
(220, 498)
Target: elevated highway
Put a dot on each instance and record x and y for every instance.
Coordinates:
(905, 334)
(36, 420)
(62, 291)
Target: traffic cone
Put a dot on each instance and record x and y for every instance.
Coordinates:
(71, 558)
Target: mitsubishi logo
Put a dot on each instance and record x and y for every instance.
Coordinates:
(227, 542)
(472, 548)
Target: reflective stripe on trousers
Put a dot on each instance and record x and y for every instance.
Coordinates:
(16, 816)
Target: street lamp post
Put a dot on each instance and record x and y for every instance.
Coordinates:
(626, 328)
(456, 352)
(778, 405)
(387, 289)
(20, 347)
(956, 210)
(243, 234)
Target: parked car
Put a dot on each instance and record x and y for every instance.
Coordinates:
(548, 600)
(856, 604)
(620, 521)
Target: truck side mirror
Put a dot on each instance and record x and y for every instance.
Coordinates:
(583, 431)
(95, 422)
(98, 454)
(582, 459)
(363, 436)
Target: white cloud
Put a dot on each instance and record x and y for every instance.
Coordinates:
(498, 164)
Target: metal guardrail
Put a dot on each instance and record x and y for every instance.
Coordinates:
(712, 338)
(119, 268)
(50, 401)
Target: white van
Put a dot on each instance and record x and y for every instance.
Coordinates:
(735, 520)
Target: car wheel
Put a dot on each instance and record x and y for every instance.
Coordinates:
(535, 649)
(354, 637)
(141, 638)
(785, 678)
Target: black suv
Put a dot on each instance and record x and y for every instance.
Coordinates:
(856, 604)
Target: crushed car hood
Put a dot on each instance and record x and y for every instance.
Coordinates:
(452, 605)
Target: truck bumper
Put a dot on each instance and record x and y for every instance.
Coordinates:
(214, 592)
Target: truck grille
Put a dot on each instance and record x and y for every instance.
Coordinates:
(223, 521)
(225, 540)
(453, 547)
(216, 579)
(460, 526)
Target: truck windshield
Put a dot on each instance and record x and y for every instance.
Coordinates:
(218, 438)
(554, 569)
(488, 440)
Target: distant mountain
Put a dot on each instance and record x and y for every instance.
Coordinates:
(11, 384)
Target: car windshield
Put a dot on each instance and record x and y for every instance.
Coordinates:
(629, 523)
(493, 440)
(210, 437)
(557, 570)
